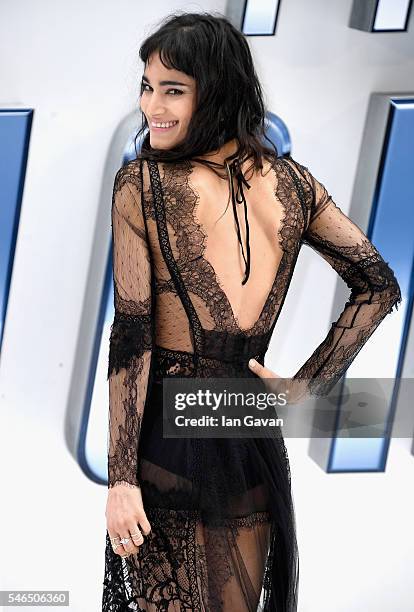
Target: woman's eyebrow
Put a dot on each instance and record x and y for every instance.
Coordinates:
(146, 80)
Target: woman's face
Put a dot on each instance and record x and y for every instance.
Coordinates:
(167, 96)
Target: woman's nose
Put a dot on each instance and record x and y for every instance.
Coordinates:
(155, 106)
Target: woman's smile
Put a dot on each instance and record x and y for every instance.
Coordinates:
(163, 126)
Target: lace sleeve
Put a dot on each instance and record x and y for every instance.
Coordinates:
(374, 288)
(131, 339)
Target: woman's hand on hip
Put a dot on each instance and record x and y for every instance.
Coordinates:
(296, 389)
(126, 518)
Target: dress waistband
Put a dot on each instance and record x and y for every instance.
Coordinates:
(226, 346)
(226, 354)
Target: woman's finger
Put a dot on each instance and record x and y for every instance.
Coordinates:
(122, 543)
(141, 517)
(271, 379)
(137, 536)
(261, 370)
(128, 543)
(144, 523)
(115, 539)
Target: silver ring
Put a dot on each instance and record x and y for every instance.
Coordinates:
(125, 540)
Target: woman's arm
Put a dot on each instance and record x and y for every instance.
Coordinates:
(374, 288)
(131, 339)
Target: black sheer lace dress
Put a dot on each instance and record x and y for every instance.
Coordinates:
(197, 293)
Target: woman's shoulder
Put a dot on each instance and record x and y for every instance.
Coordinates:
(130, 172)
(130, 167)
(133, 165)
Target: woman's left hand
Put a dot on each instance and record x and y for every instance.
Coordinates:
(295, 389)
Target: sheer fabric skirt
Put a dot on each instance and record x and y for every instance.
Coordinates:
(223, 533)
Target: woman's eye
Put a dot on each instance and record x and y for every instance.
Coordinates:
(144, 85)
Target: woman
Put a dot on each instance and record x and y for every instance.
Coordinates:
(198, 523)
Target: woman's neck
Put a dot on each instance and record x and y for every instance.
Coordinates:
(218, 156)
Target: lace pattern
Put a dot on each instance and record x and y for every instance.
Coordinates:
(198, 274)
(374, 288)
(131, 337)
(221, 511)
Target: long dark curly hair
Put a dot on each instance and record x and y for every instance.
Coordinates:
(229, 103)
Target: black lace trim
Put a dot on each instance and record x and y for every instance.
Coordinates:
(130, 336)
(196, 327)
